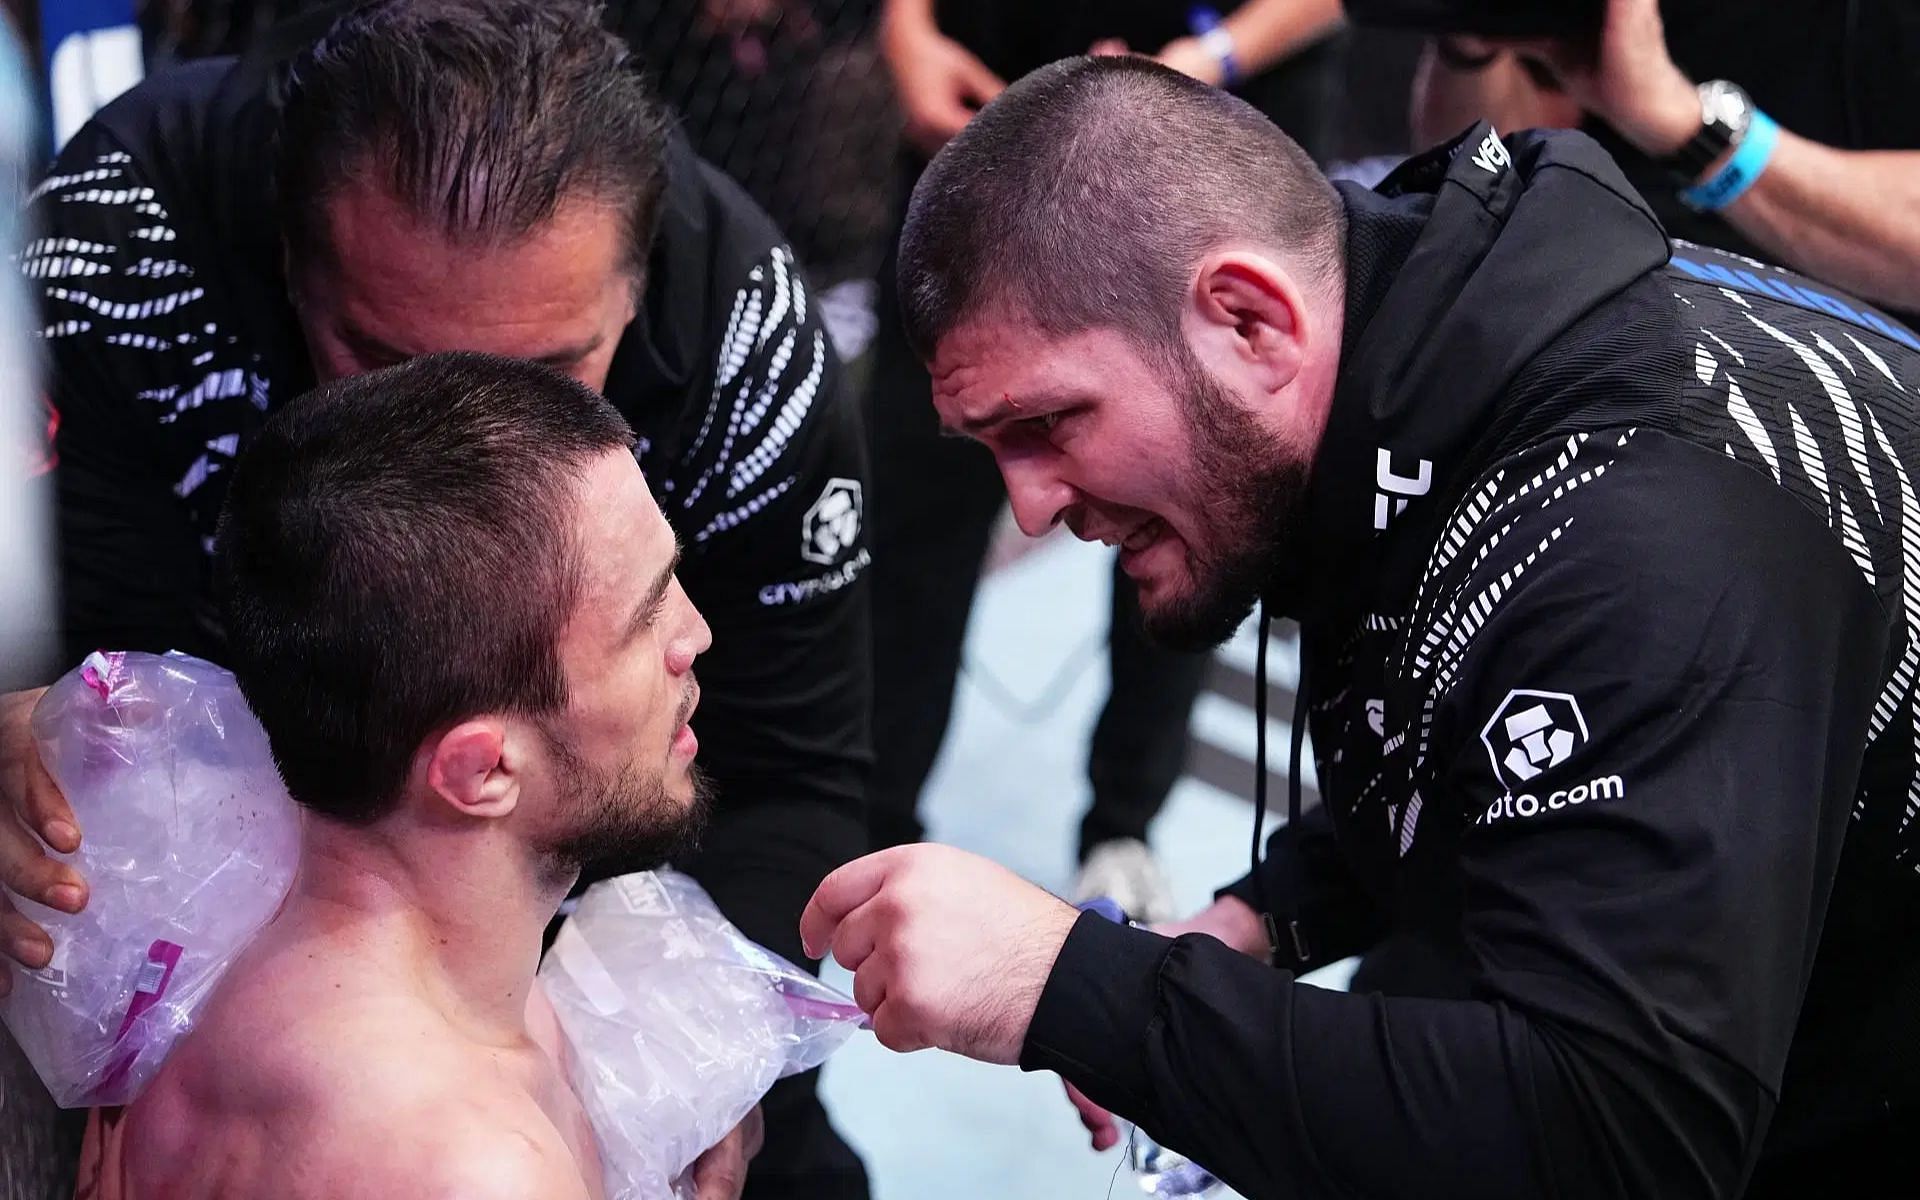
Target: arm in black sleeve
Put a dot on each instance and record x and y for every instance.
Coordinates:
(120, 312)
(769, 502)
(1632, 960)
(1307, 875)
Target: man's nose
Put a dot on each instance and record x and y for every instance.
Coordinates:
(694, 639)
(1038, 496)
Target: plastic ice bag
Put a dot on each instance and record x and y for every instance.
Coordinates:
(189, 845)
(678, 1025)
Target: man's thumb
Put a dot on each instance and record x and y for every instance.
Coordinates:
(981, 83)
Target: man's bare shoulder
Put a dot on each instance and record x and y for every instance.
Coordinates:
(293, 1036)
(297, 1084)
(459, 1139)
(461, 1142)
(345, 1107)
(525, 1160)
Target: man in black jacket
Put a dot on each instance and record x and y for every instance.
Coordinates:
(938, 500)
(1605, 552)
(462, 174)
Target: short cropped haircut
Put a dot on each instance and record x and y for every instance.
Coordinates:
(478, 116)
(1085, 195)
(395, 556)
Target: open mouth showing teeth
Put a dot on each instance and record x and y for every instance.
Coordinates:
(1142, 537)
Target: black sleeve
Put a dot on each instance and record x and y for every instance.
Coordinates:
(1307, 876)
(1637, 920)
(121, 315)
(768, 500)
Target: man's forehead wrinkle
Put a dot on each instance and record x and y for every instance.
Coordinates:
(974, 405)
(958, 377)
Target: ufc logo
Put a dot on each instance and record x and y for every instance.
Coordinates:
(1395, 489)
(1492, 155)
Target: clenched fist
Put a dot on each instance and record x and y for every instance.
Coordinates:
(947, 949)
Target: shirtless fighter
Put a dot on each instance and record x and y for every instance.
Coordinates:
(451, 601)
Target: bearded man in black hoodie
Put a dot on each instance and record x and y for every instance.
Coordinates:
(1606, 555)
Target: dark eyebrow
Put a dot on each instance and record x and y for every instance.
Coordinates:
(650, 603)
(970, 429)
(369, 347)
(1010, 410)
(569, 355)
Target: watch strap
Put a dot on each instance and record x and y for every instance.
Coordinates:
(1713, 139)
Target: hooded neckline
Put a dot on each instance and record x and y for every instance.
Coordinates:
(1462, 266)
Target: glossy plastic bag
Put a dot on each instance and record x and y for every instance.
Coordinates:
(189, 845)
(678, 1025)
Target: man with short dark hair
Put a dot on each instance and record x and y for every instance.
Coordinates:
(940, 500)
(1606, 556)
(428, 175)
(451, 603)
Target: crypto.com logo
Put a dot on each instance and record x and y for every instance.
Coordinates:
(832, 525)
(1532, 732)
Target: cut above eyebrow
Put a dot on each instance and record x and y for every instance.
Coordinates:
(1012, 410)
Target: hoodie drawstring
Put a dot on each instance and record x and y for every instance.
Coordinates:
(1301, 950)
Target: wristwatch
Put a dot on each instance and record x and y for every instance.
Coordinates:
(1216, 39)
(1726, 111)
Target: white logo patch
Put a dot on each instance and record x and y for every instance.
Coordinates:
(1532, 732)
(1395, 489)
(832, 525)
(1492, 155)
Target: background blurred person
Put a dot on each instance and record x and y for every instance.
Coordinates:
(24, 598)
(1675, 88)
(35, 1145)
(937, 499)
(790, 99)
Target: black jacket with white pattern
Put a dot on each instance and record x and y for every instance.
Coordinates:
(1606, 586)
(170, 340)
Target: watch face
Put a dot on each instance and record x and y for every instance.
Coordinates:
(1723, 104)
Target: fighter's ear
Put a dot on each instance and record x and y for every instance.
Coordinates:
(472, 767)
(1247, 316)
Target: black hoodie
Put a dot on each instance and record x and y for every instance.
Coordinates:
(1604, 583)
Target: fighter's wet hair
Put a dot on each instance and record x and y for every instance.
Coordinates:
(479, 116)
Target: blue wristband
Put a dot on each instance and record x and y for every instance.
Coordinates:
(1205, 24)
(1106, 906)
(1731, 182)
